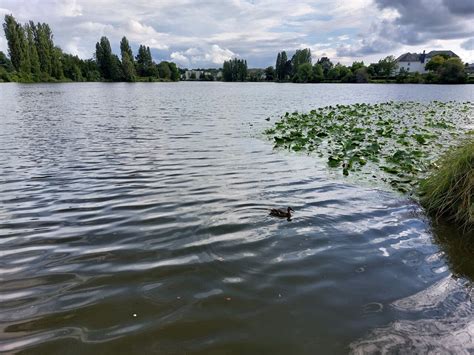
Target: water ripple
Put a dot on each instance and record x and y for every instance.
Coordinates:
(134, 219)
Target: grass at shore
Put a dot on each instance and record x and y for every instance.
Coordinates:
(449, 191)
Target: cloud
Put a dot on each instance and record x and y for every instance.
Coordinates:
(180, 59)
(201, 57)
(74, 47)
(418, 23)
(95, 27)
(211, 31)
(462, 7)
(420, 20)
(468, 44)
(68, 8)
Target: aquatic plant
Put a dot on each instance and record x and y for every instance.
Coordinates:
(449, 191)
(394, 143)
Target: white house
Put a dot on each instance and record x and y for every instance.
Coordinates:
(415, 63)
(188, 74)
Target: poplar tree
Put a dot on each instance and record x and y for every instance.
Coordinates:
(285, 66)
(128, 66)
(145, 65)
(278, 66)
(33, 54)
(13, 33)
(44, 46)
(108, 63)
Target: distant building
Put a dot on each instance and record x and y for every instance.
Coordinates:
(193, 74)
(415, 63)
(197, 74)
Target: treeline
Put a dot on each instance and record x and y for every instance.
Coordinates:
(33, 57)
(234, 70)
(300, 69)
(130, 68)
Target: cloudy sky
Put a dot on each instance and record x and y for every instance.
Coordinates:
(204, 33)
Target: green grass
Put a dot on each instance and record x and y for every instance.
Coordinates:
(449, 190)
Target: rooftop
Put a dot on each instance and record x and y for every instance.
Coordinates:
(415, 57)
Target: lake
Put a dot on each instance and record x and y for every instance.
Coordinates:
(134, 219)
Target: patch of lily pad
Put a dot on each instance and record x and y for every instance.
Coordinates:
(395, 143)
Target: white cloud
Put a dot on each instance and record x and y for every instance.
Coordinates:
(75, 47)
(208, 32)
(218, 55)
(68, 8)
(4, 12)
(95, 27)
(212, 55)
(180, 59)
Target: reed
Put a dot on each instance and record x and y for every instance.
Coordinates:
(448, 191)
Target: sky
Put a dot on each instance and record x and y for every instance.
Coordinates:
(197, 34)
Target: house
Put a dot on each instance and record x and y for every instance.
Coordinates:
(193, 74)
(210, 74)
(415, 63)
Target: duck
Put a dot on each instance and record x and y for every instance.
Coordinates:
(279, 212)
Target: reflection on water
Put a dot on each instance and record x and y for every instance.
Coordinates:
(458, 247)
(134, 219)
(444, 323)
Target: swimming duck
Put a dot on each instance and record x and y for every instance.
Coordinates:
(279, 212)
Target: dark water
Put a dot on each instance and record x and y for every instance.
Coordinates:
(133, 219)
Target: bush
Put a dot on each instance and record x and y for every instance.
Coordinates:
(449, 191)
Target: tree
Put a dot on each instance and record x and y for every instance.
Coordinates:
(334, 73)
(283, 66)
(108, 63)
(56, 63)
(13, 34)
(318, 73)
(326, 64)
(6, 68)
(125, 48)
(6, 63)
(387, 66)
(145, 64)
(269, 74)
(71, 65)
(32, 53)
(165, 71)
(361, 75)
(278, 66)
(103, 54)
(175, 71)
(234, 70)
(304, 73)
(301, 56)
(90, 70)
(452, 71)
(435, 63)
(128, 66)
(33, 56)
(344, 72)
(357, 65)
(374, 69)
(44, 46)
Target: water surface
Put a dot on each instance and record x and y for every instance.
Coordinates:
(134, 219)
